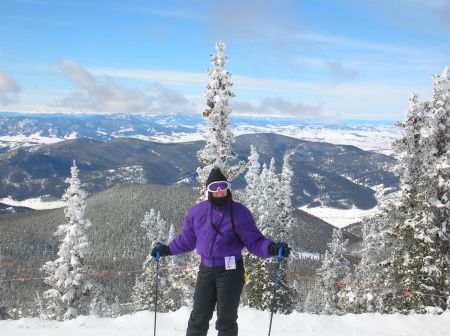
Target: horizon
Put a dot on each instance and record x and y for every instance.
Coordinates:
(199, 116)
(325, 61)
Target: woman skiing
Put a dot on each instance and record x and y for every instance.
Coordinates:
(219, 228)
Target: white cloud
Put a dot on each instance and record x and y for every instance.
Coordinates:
(277, 106)
(177, 78)
(110, 97)
(8, 88)
(340, 72)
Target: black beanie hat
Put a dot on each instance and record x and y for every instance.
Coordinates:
(215, 175)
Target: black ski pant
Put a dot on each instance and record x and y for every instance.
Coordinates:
(216, 285)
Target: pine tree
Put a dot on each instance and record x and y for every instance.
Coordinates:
(170, 292)
(260, 272)
(274, 220)
(175, 294)
(3, 312)
(285, 223)
(314, 299)
(253, 181)
(434, 233)
(419, 259)
(371, 284)
(440, 168)
(334, 274)
(267, 207)
(70, 277)
(219, 136)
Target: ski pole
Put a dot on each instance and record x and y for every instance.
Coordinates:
(158, 245)
(277, 278)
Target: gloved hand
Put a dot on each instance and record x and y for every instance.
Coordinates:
(274, 247)
(162, 249)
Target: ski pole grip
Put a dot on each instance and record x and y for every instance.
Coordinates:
(158, 245)
(280, 249)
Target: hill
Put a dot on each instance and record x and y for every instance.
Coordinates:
(117, 239)
(324, 174)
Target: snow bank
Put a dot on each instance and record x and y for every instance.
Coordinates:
(251, 323)
(339, 217)
(33, 203)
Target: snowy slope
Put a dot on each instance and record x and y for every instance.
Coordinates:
(338, 217)
(251, 323)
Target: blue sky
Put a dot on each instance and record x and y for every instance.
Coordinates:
(322, 60)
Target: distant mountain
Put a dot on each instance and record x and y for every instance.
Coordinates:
(324, 174)
(117, 239)
(17, 130)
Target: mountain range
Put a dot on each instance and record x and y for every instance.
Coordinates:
(18, 130)
(329, 175)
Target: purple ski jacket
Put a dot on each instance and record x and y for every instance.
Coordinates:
(213, 244)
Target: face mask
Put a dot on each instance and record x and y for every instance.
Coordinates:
(218, 201)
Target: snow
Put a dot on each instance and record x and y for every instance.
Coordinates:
(374, 138)
(33, 203)
(251, 323)
(27, 141)
(339, 217)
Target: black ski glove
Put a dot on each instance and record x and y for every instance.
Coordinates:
(273, 249)
(162, 249)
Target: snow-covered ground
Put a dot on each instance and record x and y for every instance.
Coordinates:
(251, 323)
(376, 139)
(33, 203)
(373, 138)
(338, 217)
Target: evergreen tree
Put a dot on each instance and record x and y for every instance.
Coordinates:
(285, 223)
(274, 220)
(440, 162)
(219, 136)
(334, 274)
(374, 283)
(434, 219)
(69, 275)
(267, 207)
(253, 181)
(418, 260)
(3, 312)
(314, 299)
(175, 295)
(171, 296)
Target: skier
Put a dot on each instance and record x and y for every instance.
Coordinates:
(219, 228)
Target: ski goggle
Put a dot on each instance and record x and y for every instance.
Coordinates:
(218, 185)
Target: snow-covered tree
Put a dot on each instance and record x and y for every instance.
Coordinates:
(314, 299)
(156, 228)
(372, 283)
(285, 223)
(419, 257)
(219, 136)
(334, 274)
(267, 205)
(440, 162)
(253, 181)
(175, 293)
(273, 219)
(70, 277)
(170, 291)
(3, 313)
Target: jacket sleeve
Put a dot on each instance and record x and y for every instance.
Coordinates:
(187, 240)
(251, 237)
